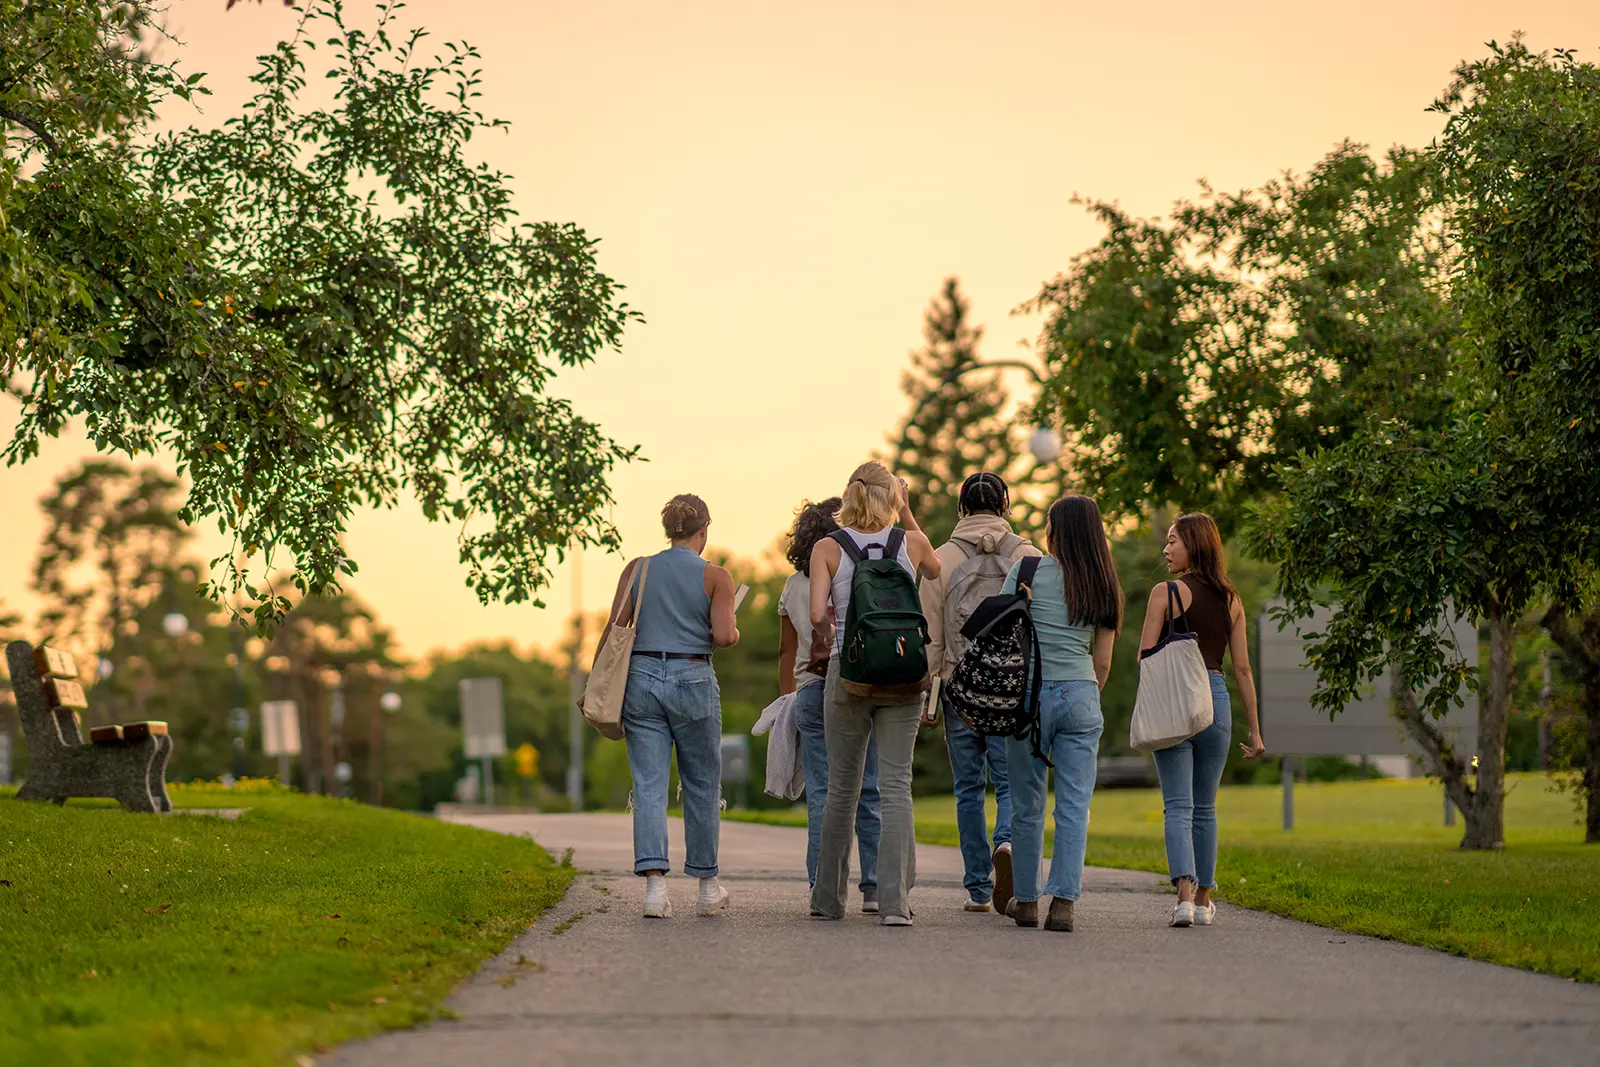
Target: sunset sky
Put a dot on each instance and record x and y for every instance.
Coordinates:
(783, 187)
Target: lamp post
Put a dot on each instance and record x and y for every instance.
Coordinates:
(388, 704)
(575, 723)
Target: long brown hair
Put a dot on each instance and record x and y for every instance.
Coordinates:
(1208, 564)
(1088, 573)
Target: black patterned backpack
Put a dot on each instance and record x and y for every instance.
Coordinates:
(994, 686)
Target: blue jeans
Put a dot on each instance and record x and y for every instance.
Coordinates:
(1070, 724)
(814, 758)
(1191, 772)
(671, 704)
(969, 752)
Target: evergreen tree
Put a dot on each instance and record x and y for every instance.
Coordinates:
(957, 423)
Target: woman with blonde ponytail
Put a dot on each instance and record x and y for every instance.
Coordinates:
(873, 501)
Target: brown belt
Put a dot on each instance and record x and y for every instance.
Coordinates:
(697, 656)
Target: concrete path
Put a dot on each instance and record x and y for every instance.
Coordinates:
(594, 983)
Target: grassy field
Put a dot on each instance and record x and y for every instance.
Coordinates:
(130, 939)
(1373, 857)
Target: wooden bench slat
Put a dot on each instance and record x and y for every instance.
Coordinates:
(65, 694)
(105, 735)
(138, 731)
(54, 662)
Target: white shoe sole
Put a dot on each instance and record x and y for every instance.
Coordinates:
(662, 910)
(1180, 920)
(894, 920)
(1205, 916)
(973, 905)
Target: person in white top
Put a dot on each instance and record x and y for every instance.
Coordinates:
(873, 500)
(798, 673)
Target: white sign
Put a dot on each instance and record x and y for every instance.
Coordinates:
(1366, 726)
(280, 728)
(483, 718)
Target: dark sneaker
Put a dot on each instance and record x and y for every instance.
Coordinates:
(1060, 917)
(1024, 912)
(869, 902)
(1004, 886)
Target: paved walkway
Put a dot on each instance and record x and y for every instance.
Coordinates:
(765, 985)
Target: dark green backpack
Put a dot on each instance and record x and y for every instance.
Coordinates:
(885, 634)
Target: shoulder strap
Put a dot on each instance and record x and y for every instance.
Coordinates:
(1175, 610)
(1028, 568)
(1008, 545)
(897, 539)
(967, 548)
(644, 576)
(848, 545)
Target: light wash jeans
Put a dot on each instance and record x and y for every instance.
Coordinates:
(669, 704)
(1070, 725)
(1191, 772)
(976, 761)
(851, 723)
(814, 758)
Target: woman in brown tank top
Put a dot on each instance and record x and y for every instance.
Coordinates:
(1191, 771)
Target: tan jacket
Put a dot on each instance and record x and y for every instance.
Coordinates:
(971, 528)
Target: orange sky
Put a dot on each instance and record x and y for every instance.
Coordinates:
(782, 188)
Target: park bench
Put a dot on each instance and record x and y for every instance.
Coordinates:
(127, 763)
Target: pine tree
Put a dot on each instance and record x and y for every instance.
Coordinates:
(957, 424)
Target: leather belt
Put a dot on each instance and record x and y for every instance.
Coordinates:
(698, 656)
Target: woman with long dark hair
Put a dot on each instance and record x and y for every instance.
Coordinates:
(1077, 611)
(1191, 771)
(798, 673)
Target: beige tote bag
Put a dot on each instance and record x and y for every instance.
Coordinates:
(608, 681)
(1174, 699)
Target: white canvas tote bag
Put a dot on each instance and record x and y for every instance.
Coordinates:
(1174, 699)
(608, 681)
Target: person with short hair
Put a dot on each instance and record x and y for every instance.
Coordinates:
(873, 500)
(672, 702)
(800, 674)
(1191, 771)
(975, 561)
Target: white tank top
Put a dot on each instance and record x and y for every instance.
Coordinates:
(847, 570)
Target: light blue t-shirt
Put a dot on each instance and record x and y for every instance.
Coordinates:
(1064, 649)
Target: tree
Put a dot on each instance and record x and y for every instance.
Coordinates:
(958, 423)
(1192, 357)
(1518, 158)
(314, 309)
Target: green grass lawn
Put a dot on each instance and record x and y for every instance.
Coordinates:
(130, 939)
(1371, 857)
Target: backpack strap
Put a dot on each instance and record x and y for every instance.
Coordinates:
(897, 540)
(967, 548)
(1008, 544)
(849, 546)
(1025, 574)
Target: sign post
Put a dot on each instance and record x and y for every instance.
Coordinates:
(1365, 727)
(736, 764)
(483, 725)
(280, 733)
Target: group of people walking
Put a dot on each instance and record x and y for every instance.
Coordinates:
(863, 656)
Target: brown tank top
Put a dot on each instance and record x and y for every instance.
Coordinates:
(1209, 618)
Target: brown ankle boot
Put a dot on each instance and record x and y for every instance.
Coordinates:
(1060, 917)
(1025, 912)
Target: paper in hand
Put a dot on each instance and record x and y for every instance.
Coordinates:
(738, 596)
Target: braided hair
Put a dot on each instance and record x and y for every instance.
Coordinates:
(983, 491)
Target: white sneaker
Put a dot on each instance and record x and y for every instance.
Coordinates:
(713, 897)
(1183, 914)
(657, 905)
(1203, 914)
(895, 920)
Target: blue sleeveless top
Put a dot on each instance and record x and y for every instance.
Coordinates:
(675, 615)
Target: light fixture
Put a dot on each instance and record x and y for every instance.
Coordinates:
(1045, 444)
(175, 623)
(390, 701)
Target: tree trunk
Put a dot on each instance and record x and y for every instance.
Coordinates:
(1437, 752)
(1581, 645)
(1487, 816)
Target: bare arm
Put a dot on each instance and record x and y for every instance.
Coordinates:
(616, 605)
(923, 557)
(931, 594)
(724, 626)
(1239, 652)
(824, 565)
(788, 648)
(1100, 652)
(1155, 613)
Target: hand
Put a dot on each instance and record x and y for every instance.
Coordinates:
(1253, 748)
(905, 500)
(930, 711)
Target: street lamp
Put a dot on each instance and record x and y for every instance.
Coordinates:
(175, 623)
(1044, 443)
